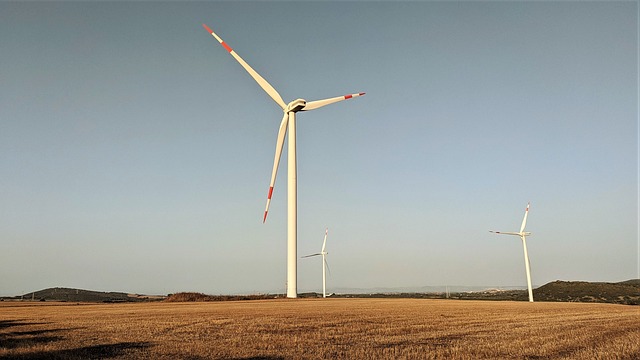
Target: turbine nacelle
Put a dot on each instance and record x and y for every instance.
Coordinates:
(296, 105)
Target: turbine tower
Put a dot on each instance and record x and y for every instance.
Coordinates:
(288, 122)
(324, 263)
(523, 235)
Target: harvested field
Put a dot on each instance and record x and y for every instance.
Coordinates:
(320, 329)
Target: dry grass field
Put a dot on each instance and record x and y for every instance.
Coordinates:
(320, 329)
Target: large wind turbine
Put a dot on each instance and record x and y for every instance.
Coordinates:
(523, 235)
(288, 121)
(324, 263)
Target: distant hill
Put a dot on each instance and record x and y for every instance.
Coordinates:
(625, 292)
(633, 282)
(79, 295)
(418, 289)
(199, 297)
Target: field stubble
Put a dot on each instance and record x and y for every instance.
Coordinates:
(320, 328)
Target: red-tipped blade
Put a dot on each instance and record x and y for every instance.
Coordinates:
(320, 103)
(259, 79)
(282, 132)
(268, 202)
(324, 242)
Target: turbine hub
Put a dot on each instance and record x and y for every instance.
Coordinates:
(296, 105)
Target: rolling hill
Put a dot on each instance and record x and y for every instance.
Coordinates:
(79, 295)
(625, 292)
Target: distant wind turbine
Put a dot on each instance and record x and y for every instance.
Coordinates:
(288, 121)
(325, 265)
(523, 235)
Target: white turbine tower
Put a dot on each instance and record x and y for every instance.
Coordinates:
(324, 263)
(288, 121)
(523, 235)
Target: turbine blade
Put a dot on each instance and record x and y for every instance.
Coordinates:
(311, 105)
(259, 79)
(282, 132)
(524, 220)
(327, 265)
(505, 232)
(324, 243)
(306, 256)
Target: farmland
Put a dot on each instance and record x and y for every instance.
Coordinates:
(320, 329)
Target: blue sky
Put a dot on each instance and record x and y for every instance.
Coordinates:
(135, 153)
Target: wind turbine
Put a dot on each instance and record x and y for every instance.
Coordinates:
(523, 235)
(288, 122)
(324, 263)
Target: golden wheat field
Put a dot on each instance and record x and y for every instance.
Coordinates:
(320, 329)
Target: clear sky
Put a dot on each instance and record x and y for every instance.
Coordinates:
(135, 153)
